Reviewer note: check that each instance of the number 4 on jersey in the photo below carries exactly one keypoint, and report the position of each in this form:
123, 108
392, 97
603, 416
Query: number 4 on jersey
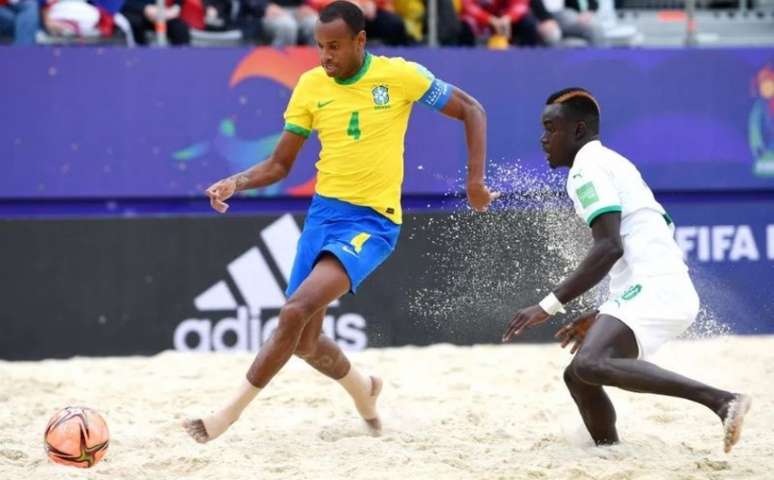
353, 130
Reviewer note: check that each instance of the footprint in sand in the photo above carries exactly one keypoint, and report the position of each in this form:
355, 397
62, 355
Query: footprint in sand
473, 418
662, 418
707, 465
13, 455
334, 434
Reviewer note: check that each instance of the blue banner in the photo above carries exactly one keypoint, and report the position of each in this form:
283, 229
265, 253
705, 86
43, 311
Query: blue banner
115, 123
729, 246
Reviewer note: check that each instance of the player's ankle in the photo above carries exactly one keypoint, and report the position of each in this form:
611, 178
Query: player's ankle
358, 385
723, 404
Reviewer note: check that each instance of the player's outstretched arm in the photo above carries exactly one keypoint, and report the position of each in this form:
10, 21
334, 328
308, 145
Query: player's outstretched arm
605, 251
270, 171
467, 109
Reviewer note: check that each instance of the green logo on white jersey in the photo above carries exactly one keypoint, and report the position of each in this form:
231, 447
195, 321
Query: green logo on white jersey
587, 194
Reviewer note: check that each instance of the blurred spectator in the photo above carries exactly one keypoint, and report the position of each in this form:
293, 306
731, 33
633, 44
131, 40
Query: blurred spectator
452, 29
413, 14
217, 15
222, 15
19, 19
382, 23
509, 19
249, 19
192, 13
80, 18
289, 22
550, 31
76, 18
142, 15
576, 19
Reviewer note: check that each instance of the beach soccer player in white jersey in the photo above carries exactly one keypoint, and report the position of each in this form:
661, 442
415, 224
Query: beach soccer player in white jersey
652, 299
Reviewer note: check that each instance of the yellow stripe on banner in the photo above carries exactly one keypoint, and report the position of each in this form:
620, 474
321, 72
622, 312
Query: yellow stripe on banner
359, 240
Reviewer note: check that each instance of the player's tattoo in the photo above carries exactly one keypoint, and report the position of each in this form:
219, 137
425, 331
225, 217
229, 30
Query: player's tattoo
241, 181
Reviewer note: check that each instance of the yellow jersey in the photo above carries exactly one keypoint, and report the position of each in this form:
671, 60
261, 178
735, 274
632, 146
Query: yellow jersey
361, 122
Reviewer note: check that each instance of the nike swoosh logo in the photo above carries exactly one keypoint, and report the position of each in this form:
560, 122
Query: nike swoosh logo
322, 104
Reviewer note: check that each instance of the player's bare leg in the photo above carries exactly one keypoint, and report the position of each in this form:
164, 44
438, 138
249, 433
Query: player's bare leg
327, 282
595, 408
329, 361
609, 357
326, 356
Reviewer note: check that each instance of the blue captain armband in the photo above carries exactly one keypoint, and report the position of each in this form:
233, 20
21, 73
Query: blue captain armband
438, 95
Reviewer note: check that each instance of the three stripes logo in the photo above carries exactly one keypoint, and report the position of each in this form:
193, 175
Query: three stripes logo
251, 297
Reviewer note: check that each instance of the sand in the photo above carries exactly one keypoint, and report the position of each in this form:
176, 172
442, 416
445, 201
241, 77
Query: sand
483, 412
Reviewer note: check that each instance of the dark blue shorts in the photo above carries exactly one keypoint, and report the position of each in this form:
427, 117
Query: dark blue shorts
358, 236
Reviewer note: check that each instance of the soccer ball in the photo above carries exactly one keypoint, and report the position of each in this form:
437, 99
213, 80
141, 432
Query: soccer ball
76, 436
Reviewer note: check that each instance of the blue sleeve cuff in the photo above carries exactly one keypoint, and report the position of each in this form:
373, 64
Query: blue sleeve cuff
438, 95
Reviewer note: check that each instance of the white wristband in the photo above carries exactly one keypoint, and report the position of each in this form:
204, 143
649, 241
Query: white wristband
551, 305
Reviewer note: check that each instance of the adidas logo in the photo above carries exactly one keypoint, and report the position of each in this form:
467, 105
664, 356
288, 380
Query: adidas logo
259, 293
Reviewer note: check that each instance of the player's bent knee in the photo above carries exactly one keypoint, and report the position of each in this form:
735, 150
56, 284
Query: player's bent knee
569, 376
294, 316
306, 350
590, 369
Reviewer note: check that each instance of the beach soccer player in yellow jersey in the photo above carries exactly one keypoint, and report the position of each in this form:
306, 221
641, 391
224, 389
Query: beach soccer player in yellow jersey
360, 105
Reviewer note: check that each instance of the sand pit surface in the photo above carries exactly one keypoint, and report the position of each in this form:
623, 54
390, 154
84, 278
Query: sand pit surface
482, 412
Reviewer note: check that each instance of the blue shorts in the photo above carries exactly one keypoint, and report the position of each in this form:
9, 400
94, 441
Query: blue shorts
359, 237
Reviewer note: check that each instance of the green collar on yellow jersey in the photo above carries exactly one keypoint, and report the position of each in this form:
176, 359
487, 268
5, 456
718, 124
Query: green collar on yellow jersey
354, 78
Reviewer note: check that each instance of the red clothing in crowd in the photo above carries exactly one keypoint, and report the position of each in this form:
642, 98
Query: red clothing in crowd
481, 11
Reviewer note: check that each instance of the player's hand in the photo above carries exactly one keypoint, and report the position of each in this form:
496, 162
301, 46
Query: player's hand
221, 191
369, 9
151, 13
500, 25
506, 26
479, 197
172, 12
494, 22
576, 330
585, 18
273, 11
524, 318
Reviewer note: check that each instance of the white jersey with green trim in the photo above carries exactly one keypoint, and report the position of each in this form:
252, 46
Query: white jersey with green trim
602, 181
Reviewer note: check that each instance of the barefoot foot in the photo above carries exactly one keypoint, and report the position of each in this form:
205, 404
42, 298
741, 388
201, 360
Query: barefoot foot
733, 420
367, 409
195, 428
208, 429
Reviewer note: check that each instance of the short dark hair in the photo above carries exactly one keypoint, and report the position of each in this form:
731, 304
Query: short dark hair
580, 104
350, 13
